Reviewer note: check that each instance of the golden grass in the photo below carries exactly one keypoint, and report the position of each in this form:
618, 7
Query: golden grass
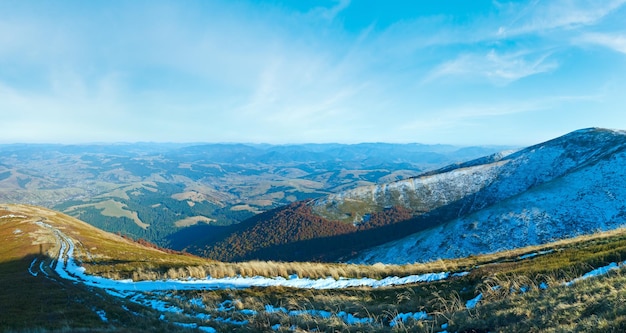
595, 304
104, 253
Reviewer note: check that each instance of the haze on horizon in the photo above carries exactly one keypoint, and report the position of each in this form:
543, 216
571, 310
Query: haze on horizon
278, 71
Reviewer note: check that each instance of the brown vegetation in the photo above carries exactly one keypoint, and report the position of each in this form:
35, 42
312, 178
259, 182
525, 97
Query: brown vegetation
295, 233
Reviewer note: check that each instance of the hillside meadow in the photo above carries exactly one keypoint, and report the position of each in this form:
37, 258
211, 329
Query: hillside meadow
521, 290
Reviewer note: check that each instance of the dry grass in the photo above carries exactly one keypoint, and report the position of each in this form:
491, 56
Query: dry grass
300, 269
561, 256
514, 299
38, 304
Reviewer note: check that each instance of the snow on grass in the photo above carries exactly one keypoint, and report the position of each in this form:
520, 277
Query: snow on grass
596, 272
186, 325
226, 306
103, 315
473, 302
532, 255
231, 321
12, 216
351, 319
196, 302
30, 268
156, 304
272, 309
314, 313
74, 272
41, 269
68, 269
403, 317
248, 312
140, 292
130, 311
348, 318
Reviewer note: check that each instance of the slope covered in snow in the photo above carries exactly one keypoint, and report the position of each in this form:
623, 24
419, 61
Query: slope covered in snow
479, 183
489, 195
568, 186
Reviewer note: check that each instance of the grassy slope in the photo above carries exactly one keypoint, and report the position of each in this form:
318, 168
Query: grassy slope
39, 303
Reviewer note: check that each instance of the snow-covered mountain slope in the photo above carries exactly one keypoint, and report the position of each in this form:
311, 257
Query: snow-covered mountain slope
571, 185
479, 183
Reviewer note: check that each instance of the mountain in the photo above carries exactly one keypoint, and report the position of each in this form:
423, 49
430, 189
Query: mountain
154, 191
567, 186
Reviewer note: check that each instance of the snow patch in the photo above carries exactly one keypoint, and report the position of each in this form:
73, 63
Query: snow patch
473, 302
597, 272
41, 269
30, 268
403, 317
103, 315
532, 255
559, 189
197, 302
12, 216
351, 319
186, 325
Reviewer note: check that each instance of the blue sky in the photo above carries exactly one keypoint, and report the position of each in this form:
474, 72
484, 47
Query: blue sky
456, 72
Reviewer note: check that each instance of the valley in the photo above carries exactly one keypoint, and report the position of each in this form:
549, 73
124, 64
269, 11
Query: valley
565, 187
335, 166
153, 191
525, 240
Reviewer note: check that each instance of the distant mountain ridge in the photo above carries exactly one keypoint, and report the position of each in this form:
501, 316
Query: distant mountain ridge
457, 210
154, 190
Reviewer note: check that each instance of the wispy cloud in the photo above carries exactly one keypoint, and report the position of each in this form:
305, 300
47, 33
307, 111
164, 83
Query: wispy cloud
615, 42
455, 115
542, 16
500, 69
261, 71
330, 13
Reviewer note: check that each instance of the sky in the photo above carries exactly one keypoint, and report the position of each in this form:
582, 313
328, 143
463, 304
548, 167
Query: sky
302, 71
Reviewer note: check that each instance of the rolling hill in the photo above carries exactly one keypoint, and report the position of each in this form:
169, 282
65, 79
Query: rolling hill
61, 274
153, 190
568, 186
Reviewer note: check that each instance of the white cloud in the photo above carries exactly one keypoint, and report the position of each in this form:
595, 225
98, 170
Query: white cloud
225, 71
615, 42
500, 69
330, 13
541, 16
